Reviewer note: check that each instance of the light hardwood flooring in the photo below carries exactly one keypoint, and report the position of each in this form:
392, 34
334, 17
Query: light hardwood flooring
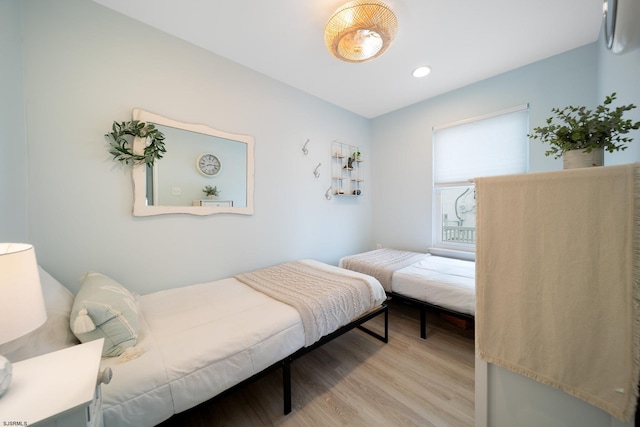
356, 380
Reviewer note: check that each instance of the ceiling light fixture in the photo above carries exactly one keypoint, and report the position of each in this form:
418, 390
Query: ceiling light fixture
421, 71
360, 30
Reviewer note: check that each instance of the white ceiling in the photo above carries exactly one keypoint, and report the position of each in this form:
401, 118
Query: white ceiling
464, 41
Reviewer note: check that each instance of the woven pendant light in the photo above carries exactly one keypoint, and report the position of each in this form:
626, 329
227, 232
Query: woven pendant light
360, 30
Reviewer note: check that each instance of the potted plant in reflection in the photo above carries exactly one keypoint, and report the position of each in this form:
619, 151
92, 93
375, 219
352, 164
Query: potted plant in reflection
210, 191
582, 135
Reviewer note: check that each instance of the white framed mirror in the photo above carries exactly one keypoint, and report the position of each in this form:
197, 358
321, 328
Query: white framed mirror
197, 156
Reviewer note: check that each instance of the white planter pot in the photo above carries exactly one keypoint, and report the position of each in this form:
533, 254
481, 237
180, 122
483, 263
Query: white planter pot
579, 159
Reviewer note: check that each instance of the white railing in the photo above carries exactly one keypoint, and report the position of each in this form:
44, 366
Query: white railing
458, 234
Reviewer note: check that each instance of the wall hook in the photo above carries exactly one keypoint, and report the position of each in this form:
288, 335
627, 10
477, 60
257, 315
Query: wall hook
304, 147
327, 195
316, 172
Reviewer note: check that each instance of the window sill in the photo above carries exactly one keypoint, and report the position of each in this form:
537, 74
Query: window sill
451, 253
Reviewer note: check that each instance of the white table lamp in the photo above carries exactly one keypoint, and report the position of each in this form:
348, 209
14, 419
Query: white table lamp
22, 308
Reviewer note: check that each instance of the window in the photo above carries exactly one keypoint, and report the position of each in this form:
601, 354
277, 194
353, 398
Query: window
491, 145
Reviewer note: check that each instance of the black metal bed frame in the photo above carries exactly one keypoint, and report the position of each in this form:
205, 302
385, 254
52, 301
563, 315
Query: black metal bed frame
285, 363
425, 306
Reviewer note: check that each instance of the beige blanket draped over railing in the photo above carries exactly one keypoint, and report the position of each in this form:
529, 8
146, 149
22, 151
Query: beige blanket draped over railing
325, 300
381, 263
558, 278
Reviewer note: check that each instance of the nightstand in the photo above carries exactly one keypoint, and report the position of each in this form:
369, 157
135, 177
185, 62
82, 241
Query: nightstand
56, 389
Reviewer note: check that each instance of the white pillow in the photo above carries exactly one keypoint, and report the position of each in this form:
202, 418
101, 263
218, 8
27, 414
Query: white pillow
55, 334
103, 308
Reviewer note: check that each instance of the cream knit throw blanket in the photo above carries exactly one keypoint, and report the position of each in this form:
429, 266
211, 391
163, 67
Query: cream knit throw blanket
558, 278
381, 263
325, 300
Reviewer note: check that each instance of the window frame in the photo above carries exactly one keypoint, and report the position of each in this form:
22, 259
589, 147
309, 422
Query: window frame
438, 243
437, 231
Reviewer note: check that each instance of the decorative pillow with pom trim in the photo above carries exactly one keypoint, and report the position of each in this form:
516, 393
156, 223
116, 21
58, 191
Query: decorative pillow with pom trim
103, 308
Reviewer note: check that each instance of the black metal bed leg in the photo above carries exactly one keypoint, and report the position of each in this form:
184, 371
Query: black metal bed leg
286, 385
286, 363
384, 338
386, 326
423, 322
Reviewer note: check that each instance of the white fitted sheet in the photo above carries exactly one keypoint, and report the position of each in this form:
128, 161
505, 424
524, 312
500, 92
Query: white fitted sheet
198, 341
446, 282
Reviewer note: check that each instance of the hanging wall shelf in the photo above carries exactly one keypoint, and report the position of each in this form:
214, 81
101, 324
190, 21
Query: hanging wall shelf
346, 169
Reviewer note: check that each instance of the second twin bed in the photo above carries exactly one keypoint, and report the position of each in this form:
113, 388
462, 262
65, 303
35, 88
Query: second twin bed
431, 282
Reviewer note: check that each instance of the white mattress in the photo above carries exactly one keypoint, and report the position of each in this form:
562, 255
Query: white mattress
206, 338
199, 341
446, 282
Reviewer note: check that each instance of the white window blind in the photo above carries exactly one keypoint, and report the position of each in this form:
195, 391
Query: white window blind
485, 146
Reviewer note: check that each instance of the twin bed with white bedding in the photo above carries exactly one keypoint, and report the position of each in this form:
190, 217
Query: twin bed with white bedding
430, 281
200, 340
172, 350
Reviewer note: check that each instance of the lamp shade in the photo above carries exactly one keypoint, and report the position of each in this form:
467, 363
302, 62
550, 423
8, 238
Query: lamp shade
360, 30
22, 306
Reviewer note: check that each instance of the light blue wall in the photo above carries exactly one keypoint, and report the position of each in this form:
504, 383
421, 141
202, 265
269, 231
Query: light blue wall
621, 74
86, 66
13, 153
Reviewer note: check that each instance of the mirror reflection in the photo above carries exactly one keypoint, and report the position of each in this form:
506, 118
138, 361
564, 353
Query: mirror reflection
197, 157
178, 181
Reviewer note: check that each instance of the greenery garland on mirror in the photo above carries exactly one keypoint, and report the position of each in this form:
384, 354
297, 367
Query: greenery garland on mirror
122, 148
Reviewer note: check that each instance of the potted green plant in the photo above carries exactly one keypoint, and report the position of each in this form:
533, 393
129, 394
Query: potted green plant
210, 191
581, 135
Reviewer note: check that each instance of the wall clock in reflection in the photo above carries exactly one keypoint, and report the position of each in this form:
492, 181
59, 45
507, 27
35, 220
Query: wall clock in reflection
208, 164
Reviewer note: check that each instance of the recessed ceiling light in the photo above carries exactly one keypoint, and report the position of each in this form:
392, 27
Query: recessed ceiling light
421, 71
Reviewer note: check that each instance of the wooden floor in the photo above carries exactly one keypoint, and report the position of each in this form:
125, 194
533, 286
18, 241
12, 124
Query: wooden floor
356, 380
